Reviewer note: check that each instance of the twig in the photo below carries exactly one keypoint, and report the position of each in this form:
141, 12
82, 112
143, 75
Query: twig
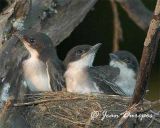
126, 114
137, 108
6, 107
118, 33
153, 119
155, 113
66, 119
148, 106
150, 123
148, 56
156, 120
44, 101
137, 12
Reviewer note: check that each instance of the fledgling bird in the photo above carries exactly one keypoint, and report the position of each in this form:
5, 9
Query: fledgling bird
82, 77
129, 67
43, 70
119, 77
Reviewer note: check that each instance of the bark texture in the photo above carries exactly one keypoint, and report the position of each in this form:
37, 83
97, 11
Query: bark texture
148, 55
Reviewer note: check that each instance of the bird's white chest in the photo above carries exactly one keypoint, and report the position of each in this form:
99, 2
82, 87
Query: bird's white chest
36, 75
78, 81
126, 81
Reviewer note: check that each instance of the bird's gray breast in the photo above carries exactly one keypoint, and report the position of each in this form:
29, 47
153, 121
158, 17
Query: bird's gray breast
36, 75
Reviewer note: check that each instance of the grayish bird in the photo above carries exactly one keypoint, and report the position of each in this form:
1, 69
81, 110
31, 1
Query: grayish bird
43, 71
82, 77
129, 67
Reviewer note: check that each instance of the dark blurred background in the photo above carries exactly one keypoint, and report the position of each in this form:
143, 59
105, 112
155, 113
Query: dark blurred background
97, 27
3, 4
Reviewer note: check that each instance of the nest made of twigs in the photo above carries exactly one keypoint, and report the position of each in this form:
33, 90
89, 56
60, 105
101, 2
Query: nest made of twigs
62, 109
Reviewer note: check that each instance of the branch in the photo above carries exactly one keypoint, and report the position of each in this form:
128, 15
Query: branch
56, 20
137, 12
148, 55
13, 18
4, 110
43, 101
118, 33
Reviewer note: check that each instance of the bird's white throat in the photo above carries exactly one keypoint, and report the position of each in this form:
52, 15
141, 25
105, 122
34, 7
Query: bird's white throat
36, 74
126, 79
76, 76
33, 52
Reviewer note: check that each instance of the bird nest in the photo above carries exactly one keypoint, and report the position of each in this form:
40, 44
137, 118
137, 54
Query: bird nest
62, 109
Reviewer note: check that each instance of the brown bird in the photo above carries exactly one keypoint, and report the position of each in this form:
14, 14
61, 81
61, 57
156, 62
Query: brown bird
43, 70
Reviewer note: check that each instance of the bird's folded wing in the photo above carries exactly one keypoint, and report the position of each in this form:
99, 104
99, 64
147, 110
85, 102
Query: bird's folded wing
105, 77
55, 73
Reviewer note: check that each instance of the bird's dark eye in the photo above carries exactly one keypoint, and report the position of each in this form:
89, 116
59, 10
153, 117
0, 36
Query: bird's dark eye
79, 52
31, 40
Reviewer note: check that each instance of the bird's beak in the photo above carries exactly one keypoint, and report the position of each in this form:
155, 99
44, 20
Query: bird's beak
113, 57
93, 49
19, 35
22, 37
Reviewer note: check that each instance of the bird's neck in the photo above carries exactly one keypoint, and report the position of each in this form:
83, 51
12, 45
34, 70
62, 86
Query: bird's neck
125, 72
76, 68
33, 53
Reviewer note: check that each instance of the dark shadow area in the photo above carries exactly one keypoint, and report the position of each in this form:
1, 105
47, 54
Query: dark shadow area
3, 4
96, 28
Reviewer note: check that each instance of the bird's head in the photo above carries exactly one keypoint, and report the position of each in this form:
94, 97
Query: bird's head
82, 55
35, 43
124, 59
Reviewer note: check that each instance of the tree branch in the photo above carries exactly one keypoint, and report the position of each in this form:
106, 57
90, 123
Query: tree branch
118, 33
148, 55
137, 12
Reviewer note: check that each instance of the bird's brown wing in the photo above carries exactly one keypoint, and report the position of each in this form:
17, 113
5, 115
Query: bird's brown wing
55, 72
105, 77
